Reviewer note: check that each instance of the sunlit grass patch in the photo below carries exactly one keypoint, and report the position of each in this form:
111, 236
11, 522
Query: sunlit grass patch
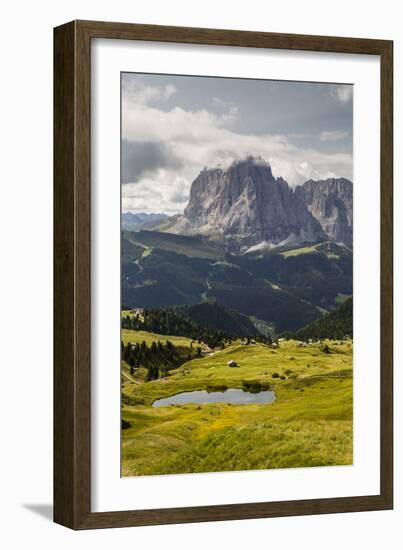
309, 424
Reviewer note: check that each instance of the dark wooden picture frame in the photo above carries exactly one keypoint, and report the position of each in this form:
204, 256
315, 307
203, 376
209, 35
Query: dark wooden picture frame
72, 270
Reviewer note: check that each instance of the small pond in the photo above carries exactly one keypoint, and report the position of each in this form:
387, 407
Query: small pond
237, 397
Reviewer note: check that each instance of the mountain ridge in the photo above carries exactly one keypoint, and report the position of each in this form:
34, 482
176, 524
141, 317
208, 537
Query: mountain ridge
141, 220
246, 206
330, 201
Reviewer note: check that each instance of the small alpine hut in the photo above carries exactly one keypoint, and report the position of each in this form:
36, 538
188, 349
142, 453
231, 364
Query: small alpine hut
232, 363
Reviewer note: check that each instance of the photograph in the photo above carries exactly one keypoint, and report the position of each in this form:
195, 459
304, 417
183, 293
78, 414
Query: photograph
236, 274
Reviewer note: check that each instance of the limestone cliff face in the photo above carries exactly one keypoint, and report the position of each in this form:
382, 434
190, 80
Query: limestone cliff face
331, 203
246, 207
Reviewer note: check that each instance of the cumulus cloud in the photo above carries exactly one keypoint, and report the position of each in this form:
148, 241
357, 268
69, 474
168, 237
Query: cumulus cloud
335, 135
229, 110
134, 91
164, 192
343, 93
166, 149
144, 158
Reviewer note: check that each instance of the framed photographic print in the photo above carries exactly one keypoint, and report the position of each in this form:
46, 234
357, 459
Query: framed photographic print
222, 199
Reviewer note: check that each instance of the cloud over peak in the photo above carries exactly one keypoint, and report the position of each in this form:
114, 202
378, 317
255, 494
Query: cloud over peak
166, 141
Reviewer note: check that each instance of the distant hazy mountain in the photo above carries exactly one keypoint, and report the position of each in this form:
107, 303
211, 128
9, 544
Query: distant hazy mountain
331, 203
246, 207
140, 220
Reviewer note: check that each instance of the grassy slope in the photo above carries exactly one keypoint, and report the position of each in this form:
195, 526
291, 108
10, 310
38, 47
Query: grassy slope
188, 246
310, 423
330, 248
134, 336
298, 251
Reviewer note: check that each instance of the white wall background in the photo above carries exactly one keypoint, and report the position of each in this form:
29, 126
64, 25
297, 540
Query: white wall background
26, 271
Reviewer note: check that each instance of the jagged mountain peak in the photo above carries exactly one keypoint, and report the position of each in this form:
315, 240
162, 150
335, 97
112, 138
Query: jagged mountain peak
330, 182
330, 201
246, 206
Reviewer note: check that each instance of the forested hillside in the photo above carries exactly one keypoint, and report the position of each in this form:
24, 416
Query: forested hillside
207, 322
170, 322
335, 325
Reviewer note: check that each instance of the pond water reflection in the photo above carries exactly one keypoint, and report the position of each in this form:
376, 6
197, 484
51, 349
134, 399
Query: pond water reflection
234, 396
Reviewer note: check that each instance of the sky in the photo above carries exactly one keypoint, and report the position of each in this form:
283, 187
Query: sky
174, 126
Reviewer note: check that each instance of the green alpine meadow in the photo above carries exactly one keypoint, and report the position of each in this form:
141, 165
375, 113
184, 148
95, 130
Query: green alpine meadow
309, 424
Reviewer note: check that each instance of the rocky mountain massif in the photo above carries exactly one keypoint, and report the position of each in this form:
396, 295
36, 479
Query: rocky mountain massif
246, 209
249, 243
